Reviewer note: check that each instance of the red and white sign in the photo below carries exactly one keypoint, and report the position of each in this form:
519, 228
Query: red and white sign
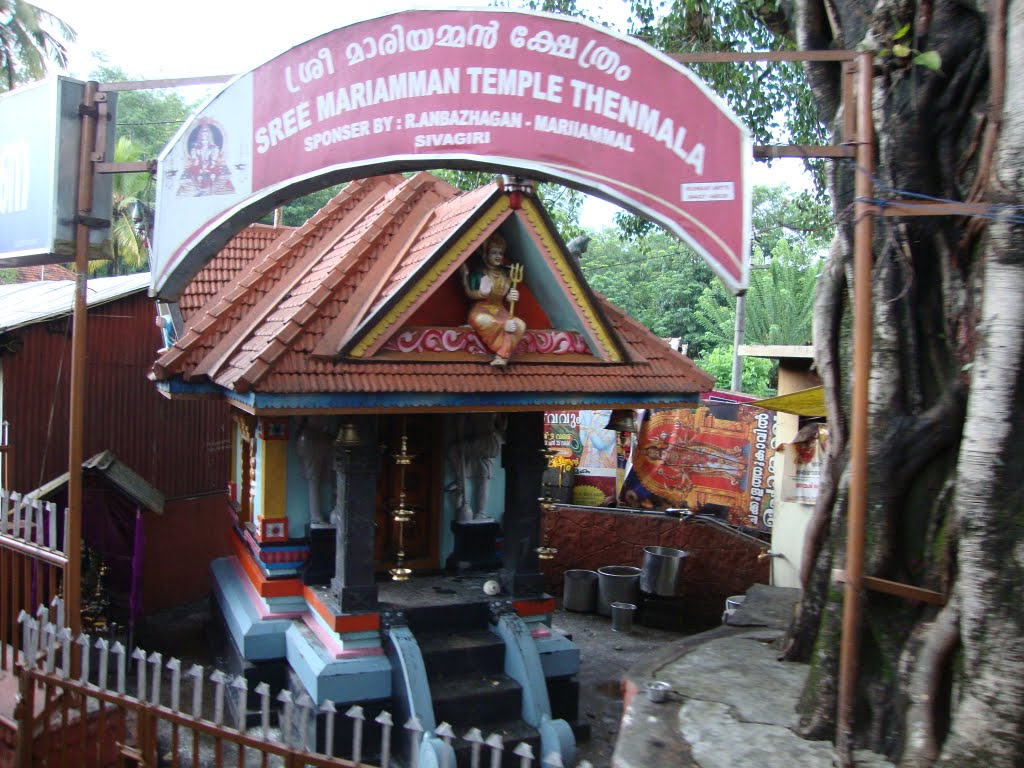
546, 96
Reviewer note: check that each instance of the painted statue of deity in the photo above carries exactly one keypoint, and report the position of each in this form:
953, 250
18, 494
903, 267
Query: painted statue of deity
489, 287
477, 444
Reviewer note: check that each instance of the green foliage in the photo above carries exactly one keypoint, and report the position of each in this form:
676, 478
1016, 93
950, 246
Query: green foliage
298, 211
562, 203
149, 119
779, 305
773, 99
8, 276
29, 36
666, 286
656, 280
133, 192
899, 51
790, 236
758, 374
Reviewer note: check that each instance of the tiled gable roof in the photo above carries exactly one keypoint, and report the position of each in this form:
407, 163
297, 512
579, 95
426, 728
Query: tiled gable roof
232, 259
287, 322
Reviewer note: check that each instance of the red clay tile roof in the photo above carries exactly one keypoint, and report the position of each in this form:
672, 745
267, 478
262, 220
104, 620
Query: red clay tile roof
274, 322
43, 272
235, 256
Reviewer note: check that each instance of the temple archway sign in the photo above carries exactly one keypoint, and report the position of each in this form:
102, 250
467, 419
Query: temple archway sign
539, 95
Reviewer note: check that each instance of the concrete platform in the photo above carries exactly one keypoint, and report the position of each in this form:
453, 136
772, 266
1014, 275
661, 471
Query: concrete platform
732, 702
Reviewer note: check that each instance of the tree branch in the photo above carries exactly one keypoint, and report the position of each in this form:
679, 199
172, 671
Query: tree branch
925, 688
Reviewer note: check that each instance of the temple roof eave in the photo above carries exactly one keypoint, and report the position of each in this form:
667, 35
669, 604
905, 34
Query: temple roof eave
283, 404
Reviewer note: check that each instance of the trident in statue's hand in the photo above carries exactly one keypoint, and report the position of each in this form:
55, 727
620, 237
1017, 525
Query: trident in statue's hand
515, 274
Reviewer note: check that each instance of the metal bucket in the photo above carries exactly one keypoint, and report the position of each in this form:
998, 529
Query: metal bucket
661, 571
622, 617
617, 584
580, 591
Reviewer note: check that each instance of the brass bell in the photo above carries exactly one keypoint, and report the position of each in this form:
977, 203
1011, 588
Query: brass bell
623, 420
348, 437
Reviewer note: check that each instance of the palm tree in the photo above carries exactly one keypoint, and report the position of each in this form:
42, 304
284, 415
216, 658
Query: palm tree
26, 42
130, 222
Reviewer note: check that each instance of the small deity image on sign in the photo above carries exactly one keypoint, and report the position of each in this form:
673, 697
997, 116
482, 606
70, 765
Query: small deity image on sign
206, 169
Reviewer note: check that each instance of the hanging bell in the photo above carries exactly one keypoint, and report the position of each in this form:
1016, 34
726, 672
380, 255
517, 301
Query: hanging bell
623, 420
348, 437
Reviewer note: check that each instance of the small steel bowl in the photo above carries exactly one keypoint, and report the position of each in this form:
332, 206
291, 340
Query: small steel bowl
657, 690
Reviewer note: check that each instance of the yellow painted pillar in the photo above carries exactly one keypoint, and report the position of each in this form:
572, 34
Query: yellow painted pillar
270, 512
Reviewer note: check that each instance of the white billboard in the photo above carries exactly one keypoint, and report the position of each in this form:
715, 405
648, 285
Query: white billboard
40, 128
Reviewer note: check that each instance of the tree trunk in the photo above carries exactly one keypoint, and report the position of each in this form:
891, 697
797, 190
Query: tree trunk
945, 507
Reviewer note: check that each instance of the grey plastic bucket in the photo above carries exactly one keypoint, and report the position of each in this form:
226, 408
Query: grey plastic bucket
661, 571
617, 584
580, 591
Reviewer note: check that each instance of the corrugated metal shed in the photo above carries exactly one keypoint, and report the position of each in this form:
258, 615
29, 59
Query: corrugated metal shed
26, 303
182, 448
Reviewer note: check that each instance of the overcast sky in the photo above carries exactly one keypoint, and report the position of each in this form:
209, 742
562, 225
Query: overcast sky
219, 37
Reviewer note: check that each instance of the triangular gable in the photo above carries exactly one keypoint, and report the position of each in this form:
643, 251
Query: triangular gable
552, 289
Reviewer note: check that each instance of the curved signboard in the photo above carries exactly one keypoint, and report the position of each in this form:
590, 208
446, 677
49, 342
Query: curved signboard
544, 96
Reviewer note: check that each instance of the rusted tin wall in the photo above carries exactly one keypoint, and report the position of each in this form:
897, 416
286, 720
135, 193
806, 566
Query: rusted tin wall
181, 448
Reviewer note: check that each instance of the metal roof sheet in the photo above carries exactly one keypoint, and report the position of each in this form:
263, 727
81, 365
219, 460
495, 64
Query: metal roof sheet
28, 303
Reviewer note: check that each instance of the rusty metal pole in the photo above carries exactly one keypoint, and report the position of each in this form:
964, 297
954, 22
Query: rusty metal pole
863, 237
76, 410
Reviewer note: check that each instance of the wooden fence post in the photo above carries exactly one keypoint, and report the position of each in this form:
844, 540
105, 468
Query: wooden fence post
24, 716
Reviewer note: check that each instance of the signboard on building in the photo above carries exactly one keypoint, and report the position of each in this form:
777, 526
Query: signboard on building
545, 96
40, 130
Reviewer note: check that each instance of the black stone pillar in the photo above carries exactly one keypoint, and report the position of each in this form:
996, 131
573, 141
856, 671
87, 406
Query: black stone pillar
353, 583
524, 462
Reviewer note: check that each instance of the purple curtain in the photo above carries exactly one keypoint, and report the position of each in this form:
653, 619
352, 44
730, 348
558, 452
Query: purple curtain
138, 550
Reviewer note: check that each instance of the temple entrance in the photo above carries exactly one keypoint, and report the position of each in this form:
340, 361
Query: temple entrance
421, 481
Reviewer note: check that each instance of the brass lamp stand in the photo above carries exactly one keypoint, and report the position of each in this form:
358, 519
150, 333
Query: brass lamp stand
402, 514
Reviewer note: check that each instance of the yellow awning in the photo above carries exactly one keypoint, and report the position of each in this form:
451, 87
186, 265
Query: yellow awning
806, 402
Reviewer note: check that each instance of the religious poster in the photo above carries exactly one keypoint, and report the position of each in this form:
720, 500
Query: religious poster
714, 458
595, 483
584, 463
801, 476
562, 441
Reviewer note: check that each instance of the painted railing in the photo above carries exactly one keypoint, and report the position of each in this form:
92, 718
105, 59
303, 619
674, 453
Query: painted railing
95, 703
33, 557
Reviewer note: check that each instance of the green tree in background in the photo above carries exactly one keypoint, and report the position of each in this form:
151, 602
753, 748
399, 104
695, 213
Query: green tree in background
149, 118
132, 207
654, 278
780, 302
29, 38
758, 373
146, 121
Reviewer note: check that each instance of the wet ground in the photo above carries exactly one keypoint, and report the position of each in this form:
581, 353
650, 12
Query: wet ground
606, 655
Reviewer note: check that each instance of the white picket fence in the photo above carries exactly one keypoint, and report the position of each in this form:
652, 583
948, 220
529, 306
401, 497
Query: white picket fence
32, 522
141, 706
33, 559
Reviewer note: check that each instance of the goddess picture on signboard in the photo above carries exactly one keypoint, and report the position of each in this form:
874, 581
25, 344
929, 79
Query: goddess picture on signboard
206, 170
